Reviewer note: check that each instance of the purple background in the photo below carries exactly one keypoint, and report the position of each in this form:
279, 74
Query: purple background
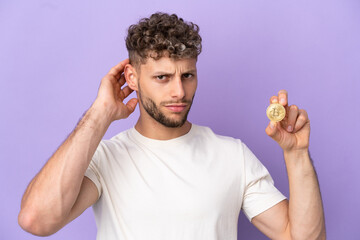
53, 55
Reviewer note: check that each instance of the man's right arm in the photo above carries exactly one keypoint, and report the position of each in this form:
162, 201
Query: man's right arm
60, 192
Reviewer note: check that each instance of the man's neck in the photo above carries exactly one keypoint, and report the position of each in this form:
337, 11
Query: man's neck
155, 130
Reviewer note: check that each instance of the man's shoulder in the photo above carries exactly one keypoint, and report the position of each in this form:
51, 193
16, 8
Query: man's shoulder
206, 131
121, 135
117, 140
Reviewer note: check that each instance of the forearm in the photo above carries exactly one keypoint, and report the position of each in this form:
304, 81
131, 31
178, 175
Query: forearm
52, 193
306, 216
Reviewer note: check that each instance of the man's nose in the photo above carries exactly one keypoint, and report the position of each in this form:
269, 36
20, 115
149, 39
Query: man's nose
177, 88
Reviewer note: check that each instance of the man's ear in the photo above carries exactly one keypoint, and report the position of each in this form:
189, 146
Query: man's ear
131, 77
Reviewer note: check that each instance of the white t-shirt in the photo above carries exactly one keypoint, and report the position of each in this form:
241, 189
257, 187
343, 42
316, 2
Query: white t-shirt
191, 187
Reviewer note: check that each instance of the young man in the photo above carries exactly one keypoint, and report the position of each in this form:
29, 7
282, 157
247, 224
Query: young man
167, 178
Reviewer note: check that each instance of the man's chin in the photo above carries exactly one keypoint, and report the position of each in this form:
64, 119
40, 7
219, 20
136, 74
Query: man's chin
173, 125
173, 121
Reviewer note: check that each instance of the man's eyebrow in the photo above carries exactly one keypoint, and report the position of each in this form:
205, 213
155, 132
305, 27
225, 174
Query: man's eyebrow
171, 73
162, 73
190, 71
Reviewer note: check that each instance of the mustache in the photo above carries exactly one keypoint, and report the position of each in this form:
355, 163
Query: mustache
176, 102
181, 101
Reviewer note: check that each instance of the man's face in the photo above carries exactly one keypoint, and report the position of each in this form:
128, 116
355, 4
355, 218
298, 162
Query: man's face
166, 88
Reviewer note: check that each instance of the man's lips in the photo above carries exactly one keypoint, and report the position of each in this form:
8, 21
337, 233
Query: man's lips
176, 107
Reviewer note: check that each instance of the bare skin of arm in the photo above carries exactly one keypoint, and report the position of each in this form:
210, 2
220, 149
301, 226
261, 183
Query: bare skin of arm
60, 192
302, 217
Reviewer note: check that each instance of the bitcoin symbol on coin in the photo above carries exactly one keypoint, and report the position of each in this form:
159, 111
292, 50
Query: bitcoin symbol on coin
276, 112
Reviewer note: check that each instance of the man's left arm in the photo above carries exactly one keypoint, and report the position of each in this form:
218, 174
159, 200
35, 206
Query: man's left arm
302, 217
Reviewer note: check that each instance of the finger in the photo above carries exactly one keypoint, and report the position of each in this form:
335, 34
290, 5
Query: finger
127, 90
273, 132
121, 94
274, 99
292, 116
131, 105
117, 70
283, 97
122, 80
301, 120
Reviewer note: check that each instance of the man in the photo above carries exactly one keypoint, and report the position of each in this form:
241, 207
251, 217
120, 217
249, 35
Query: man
167, 178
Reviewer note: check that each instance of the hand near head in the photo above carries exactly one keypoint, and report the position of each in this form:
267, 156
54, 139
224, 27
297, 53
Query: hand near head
111, 95
293, 132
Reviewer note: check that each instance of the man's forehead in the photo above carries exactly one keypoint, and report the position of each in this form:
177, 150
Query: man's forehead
169, 64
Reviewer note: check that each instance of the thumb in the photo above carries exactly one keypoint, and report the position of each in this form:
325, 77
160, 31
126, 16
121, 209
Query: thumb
131, 105
273, 131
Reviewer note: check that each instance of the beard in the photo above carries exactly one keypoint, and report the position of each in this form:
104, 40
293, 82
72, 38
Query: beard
154, 111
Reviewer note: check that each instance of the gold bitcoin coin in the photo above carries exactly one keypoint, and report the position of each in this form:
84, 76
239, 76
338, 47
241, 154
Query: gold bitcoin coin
275, 112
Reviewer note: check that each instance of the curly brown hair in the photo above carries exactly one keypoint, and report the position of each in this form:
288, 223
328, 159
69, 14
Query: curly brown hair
162, 34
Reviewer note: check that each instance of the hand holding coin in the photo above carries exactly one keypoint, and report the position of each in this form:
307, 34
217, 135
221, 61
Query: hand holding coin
289, 125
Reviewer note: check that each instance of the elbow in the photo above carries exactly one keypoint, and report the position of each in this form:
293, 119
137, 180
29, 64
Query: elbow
314, 232
312, 237
320, 235
29, 222
315, 235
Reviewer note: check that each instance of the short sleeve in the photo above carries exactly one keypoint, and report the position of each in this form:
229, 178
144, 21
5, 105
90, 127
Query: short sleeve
93, 171
260, 193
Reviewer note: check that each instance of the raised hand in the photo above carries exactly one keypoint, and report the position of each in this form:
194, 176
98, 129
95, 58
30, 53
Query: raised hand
111, 95
293, 132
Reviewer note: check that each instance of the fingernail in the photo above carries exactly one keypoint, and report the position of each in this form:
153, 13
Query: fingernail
282, 100
289, 128
274, 100
272, 125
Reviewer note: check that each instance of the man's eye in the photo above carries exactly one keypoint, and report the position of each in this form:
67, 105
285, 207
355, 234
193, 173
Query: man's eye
161, 77
187, 75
